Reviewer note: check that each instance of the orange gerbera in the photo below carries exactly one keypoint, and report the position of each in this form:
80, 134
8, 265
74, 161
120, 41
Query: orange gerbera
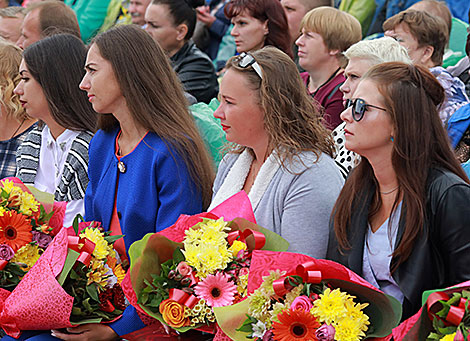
15, 230
295, 325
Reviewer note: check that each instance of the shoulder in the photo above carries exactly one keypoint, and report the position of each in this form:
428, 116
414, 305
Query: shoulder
442, 183
304, 76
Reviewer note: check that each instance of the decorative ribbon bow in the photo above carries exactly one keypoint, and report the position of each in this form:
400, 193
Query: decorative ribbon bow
455, 314
83, 246
183, 298
305, 271
259, 238
7, 323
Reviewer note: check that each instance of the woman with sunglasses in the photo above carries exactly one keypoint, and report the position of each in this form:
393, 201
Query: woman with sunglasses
281, 154
401, 220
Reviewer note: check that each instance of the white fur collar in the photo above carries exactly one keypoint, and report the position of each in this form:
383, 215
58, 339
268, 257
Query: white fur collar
235, 179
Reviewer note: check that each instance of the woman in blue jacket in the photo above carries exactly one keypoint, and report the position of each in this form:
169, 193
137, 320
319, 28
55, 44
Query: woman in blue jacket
148, 163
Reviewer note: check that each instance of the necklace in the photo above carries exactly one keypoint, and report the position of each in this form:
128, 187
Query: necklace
17, 129
391, 191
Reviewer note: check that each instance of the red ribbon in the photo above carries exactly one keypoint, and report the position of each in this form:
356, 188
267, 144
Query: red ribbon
3, 263
83, 246
305, 270
259, 238
455, 314
183, 298
7, 323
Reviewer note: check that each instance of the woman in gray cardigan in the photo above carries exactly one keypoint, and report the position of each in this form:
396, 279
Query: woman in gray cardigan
281, 154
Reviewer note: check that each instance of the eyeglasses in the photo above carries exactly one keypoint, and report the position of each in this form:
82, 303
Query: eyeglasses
359, 108
246, 60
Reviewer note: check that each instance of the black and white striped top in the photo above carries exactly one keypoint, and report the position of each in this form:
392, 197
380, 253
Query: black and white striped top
74, 178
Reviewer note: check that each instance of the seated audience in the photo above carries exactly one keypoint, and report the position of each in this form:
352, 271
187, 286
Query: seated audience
11, 19
14, 122
281, 154
258, 23
295, 10
326, 34
425, 38
137, 10
171, 24
361, 57
401, 220
54, 156
46, 18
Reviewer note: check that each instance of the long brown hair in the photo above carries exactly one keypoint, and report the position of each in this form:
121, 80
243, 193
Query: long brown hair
291, 119
412, 96
155, 98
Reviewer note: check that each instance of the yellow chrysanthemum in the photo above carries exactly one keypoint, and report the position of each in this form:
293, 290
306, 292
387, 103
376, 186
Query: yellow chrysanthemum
218, 225
242, 285
207, 259
97, 274
259, 305
355, 311
193, 236
348, 329
293, 294
28, 254
449, 337
277, 308
8, 186
267, 284
28, 204
101, 250
212, 235
119, 272
2, 210
236, 247
330, 306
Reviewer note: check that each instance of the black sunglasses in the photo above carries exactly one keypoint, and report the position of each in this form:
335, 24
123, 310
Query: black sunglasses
359, 108
246, 60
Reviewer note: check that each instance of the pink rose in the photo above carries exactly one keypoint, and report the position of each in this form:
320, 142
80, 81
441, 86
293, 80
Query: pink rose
302, 303
325, 333
57, 220
184, 269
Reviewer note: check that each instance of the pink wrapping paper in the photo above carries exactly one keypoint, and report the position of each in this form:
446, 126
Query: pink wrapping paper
44, 303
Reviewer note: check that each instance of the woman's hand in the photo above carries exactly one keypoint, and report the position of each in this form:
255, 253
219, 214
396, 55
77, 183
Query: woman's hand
204, 15
85, 332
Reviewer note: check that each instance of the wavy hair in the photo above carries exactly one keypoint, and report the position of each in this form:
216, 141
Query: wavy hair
155, 98
10, 60
265, 10
412, 96
291, 119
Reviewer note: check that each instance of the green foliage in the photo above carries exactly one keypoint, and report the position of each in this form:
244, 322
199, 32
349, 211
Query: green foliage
11, 275
246, 327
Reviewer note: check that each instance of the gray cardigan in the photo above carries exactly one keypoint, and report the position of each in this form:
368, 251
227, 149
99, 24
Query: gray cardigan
296, 205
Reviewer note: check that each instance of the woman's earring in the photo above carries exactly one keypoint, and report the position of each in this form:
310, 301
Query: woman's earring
391, 139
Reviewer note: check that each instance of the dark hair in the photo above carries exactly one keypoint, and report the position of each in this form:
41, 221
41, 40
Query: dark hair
182, 12
291, 119
154, 96
56, 63
412, 96
265, 10
425, 28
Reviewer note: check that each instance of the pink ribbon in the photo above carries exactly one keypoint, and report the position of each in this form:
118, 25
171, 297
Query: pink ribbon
305, 271
259, 238
81, 245
7, 323
183, 298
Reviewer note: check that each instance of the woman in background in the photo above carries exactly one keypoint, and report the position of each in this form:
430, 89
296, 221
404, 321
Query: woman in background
171, 24
14, 122
54, 156
401, 220
259, 23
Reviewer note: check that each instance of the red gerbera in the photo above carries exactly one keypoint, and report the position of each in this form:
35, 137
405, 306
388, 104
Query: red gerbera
15, 230
295, 325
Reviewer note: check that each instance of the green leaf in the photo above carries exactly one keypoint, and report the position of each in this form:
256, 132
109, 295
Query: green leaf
72, 257
93, 292
87, 305
76, 222
112, 239
178, 256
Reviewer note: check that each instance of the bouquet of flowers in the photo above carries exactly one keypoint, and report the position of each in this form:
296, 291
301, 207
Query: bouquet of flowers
445, 315
75, 281
179, 284
24, 229
301, 298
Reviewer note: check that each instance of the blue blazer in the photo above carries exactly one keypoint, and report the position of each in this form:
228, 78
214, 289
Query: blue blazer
152, 193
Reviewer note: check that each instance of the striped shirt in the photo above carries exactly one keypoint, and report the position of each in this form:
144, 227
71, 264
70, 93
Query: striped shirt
8, 150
